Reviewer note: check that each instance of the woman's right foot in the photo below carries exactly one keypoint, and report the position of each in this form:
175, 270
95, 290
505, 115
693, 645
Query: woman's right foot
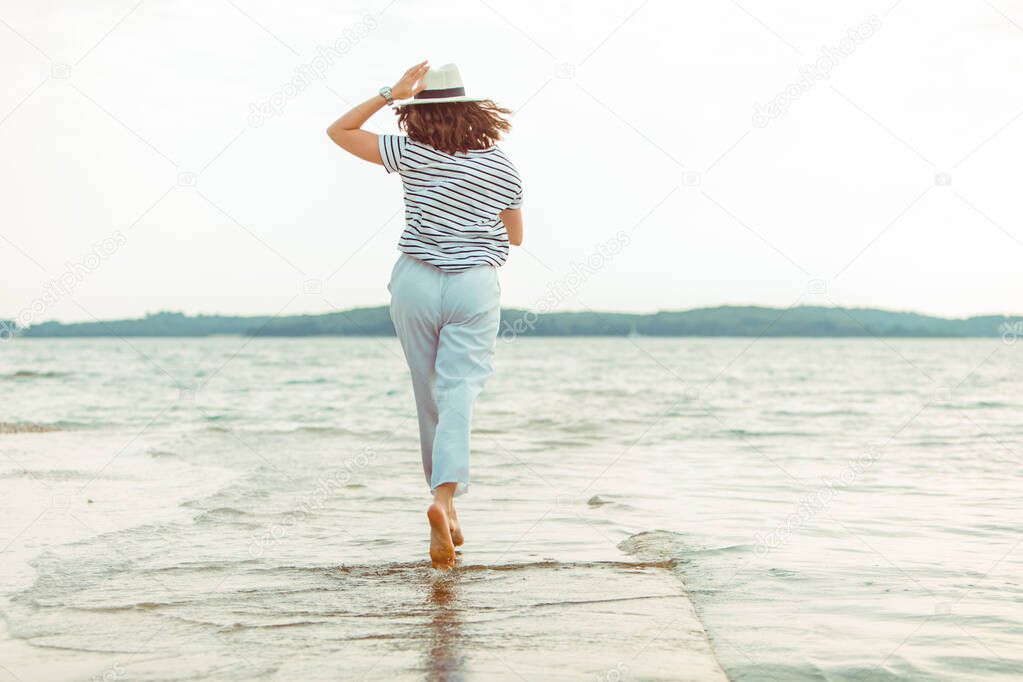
442, 547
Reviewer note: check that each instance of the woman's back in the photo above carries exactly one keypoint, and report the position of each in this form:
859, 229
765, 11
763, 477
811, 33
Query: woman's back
452, 202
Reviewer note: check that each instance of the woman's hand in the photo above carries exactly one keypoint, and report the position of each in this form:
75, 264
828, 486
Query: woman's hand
411, 84
347, 131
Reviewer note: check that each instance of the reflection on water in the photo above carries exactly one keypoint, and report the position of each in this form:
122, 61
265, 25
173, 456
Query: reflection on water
443, 658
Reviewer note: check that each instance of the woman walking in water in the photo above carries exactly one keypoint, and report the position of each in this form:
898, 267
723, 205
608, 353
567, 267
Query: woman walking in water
463, 201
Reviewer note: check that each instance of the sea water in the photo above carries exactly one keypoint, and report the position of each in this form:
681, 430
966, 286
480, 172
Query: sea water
232, 508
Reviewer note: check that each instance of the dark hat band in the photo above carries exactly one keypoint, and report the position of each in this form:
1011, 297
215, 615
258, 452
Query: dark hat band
442, 92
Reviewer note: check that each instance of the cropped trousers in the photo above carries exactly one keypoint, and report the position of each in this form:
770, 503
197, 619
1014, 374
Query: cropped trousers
447, 324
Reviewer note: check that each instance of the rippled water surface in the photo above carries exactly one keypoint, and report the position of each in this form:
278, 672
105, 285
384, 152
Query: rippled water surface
232, 509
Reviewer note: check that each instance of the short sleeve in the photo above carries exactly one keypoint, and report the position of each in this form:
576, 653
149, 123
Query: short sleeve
517, 201
392, 147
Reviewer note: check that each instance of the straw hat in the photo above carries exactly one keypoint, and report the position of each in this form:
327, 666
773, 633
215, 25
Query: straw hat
443, 84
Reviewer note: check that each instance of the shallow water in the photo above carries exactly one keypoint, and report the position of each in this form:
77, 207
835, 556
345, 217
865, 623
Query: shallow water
231, 508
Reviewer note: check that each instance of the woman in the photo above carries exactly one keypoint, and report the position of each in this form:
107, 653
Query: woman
463, 201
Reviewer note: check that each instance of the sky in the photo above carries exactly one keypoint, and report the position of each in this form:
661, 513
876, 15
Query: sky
159, 156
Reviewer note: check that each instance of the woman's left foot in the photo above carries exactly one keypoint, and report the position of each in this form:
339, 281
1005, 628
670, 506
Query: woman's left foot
455, 527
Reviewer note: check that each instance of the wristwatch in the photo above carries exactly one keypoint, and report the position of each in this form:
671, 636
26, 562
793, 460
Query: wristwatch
385, 92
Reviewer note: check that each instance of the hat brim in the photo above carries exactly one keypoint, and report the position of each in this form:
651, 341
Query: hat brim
439, 100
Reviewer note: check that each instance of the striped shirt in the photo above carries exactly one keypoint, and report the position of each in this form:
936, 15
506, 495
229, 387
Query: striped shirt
452, 202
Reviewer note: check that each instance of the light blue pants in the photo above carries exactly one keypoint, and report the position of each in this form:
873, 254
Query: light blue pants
447, 324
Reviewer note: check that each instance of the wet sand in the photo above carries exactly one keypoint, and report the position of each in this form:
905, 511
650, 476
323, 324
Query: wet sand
26, 427
133, 582
605, 621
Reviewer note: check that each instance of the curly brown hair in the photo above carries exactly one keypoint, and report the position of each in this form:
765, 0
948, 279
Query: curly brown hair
455, 126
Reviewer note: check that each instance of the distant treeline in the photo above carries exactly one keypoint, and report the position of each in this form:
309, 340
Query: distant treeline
719, 321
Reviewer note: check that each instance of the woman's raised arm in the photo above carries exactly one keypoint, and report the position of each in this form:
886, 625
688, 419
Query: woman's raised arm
347, 131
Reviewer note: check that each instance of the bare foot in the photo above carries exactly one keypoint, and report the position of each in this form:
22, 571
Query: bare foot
442, 549
456, 529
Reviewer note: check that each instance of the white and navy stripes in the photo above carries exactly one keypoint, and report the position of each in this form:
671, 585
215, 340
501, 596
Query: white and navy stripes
452, 202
